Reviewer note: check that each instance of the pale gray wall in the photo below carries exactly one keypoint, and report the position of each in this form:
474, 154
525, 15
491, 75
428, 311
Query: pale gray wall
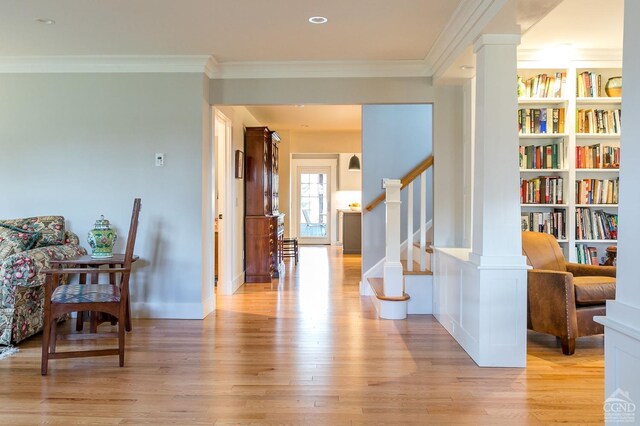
396, 138
330, 91
81, 145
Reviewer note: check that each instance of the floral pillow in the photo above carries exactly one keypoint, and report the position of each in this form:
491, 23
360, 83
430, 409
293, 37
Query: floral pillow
50, 228
14, 240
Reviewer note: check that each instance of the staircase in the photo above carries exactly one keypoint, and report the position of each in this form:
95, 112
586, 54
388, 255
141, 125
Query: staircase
406, 285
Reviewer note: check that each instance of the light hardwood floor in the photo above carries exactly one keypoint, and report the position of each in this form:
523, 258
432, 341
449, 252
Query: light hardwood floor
307, 350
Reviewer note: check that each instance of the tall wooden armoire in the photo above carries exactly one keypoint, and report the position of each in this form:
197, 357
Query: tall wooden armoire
264, 225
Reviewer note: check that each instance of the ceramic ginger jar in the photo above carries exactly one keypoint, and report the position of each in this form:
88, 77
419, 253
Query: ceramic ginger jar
101, 239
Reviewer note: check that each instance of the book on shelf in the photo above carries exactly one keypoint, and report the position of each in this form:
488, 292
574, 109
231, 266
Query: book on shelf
587, 255
552, 85
541, 190
595, 224
589, 84
611, 157
547, 222
598, 121
588, 157
597, 191
542, 156
540, 120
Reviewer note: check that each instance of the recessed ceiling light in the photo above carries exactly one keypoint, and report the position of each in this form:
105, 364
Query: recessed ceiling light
467, 67
318, 20
45, 21
300, 106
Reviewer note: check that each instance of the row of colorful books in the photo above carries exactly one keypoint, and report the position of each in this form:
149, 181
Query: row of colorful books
547, 222
541, 190
589, 84
597, 191
599, 121
550, 156
541, 120
587, 255
543, 85
596, 224
597, 157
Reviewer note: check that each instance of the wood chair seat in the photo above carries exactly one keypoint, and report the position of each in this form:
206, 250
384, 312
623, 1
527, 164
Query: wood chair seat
86, 293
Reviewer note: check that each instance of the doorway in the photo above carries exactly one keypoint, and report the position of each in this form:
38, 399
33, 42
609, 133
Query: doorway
314, 200
222, 203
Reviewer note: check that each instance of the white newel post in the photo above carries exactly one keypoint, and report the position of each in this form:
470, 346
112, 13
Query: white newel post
393, 285
622, 320
496, 254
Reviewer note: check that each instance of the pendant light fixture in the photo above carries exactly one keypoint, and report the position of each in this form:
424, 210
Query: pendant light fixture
354, 163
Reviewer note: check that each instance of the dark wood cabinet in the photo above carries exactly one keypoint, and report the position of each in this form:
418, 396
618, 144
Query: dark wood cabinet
264, 226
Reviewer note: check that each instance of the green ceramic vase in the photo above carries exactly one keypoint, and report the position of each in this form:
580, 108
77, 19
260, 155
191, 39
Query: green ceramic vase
101, 239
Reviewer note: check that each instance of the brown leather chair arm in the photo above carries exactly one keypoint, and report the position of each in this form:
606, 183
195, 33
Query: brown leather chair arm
552, 302
579, 270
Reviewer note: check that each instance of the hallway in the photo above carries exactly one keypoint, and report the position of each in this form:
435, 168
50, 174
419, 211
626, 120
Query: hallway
306, 350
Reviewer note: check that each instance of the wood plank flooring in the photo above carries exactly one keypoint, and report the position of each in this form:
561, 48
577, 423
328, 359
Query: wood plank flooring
306, 350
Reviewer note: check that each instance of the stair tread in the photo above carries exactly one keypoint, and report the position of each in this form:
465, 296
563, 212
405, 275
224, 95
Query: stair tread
416, 269
377, 284
429, 249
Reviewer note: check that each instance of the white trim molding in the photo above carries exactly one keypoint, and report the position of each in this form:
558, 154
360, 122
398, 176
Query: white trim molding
321, 69
108, 64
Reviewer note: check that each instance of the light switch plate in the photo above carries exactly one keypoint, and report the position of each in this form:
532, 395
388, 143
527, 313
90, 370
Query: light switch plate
159, 159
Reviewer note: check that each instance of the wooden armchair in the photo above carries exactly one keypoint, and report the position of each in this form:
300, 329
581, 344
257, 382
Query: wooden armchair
109, 298
564, 297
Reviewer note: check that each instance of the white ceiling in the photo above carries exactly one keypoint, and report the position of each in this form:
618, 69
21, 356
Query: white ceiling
230, 30
585, 24
309, 118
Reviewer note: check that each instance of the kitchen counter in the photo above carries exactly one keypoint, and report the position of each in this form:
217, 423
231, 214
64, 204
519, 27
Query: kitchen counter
351, 231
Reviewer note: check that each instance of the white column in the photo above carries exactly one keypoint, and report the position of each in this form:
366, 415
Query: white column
392, 273
622, 321
496, 255
496, 201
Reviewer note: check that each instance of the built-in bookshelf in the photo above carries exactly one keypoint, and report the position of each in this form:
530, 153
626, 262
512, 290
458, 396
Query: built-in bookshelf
569, 156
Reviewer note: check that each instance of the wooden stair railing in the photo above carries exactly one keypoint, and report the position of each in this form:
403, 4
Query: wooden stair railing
408, 178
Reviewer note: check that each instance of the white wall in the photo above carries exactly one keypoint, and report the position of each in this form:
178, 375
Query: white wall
81, 145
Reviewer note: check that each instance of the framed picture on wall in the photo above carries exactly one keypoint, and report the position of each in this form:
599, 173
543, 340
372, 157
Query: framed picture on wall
239, 164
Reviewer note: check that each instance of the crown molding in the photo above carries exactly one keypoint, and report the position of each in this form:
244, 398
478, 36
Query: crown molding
465, 25
107, 64
321, 69
211, 67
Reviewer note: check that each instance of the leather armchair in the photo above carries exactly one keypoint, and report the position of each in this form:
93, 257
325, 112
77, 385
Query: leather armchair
564, 297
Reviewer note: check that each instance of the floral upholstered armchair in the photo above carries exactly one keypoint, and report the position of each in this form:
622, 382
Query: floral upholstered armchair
26, 248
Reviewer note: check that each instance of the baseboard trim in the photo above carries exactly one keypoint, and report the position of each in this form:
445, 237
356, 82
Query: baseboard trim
237, 282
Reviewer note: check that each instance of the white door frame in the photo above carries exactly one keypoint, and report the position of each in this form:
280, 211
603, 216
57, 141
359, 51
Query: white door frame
296, 164
224, 164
